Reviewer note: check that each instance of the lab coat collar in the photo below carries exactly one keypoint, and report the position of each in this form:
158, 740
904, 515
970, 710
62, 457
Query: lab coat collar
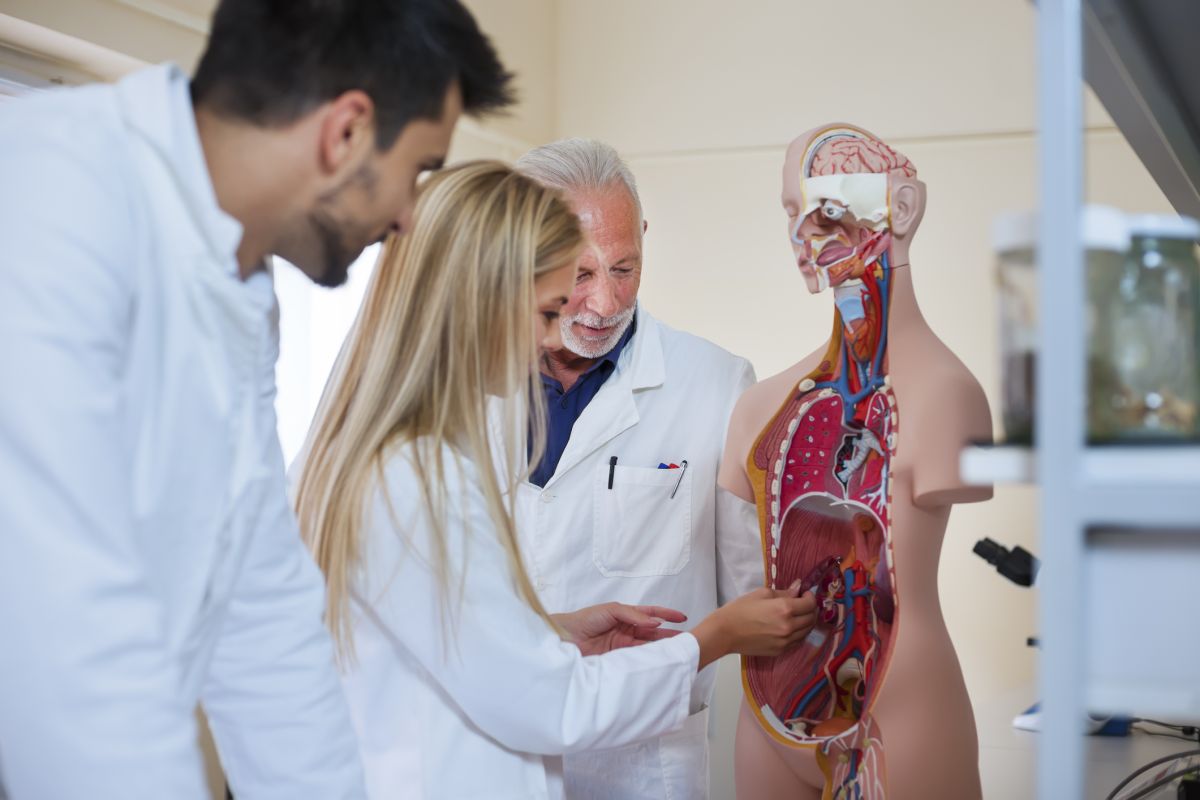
157, 107
613, 411
643, 356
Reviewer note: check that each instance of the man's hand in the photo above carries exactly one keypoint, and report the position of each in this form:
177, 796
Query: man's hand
608, 626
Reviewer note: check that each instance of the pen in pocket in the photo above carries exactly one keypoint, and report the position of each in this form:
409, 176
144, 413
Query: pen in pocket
682, 469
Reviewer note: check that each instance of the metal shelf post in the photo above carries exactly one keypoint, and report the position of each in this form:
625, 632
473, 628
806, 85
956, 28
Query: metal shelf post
1060, 413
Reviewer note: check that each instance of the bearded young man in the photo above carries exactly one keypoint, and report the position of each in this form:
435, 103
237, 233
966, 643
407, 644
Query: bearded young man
149, 560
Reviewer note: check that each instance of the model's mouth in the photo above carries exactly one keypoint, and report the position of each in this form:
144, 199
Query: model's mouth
833, 253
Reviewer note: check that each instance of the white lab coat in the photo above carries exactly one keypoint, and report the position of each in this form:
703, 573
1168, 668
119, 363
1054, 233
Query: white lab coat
148, 556
670, 399
472, 700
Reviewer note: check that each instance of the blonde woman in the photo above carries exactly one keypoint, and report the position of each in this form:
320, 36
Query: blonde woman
461, 686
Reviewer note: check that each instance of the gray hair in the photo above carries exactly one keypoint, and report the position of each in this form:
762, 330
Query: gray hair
571, 165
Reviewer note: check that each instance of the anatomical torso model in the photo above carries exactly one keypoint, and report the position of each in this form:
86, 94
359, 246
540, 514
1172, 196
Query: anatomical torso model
851, 456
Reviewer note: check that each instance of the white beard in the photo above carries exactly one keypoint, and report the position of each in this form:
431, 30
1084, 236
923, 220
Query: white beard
595, 348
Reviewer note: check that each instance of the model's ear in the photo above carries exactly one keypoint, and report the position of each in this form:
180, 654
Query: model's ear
908, 206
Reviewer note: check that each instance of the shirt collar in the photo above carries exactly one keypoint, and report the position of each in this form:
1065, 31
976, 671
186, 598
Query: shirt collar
612, 356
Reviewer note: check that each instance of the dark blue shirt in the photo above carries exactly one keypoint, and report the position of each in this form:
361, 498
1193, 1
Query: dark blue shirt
564, 408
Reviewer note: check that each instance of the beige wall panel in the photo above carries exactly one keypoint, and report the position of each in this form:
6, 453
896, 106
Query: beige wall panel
151, 31
117, 26
683, 75
524, 32
473, 142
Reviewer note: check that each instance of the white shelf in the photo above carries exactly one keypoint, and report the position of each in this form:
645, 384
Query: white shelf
1153, 467
1119, 487
982, 466
1111, 467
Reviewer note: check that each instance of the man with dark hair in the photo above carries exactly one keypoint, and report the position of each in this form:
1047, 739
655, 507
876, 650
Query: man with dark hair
148, 557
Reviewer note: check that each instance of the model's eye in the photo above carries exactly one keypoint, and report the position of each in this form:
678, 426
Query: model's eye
832, 211
550, 315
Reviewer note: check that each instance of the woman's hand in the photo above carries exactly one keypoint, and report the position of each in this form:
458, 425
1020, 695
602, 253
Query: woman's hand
608, 626
764, 622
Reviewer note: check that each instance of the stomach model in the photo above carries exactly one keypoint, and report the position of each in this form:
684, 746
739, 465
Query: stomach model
820, 471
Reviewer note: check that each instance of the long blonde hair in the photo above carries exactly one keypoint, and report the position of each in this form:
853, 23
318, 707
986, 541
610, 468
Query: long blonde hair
448, 318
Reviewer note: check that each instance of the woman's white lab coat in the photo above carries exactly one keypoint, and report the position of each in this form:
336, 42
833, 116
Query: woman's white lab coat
477, 702
148, 556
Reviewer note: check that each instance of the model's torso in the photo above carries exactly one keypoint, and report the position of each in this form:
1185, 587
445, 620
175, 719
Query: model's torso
913, 688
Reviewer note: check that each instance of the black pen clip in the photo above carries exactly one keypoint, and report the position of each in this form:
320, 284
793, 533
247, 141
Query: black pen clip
612, 468
683, 469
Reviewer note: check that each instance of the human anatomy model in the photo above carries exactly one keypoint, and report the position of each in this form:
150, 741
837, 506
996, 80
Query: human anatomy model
851, 456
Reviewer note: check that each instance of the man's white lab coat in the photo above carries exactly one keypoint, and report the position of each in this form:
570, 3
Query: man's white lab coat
148, 556
668, 401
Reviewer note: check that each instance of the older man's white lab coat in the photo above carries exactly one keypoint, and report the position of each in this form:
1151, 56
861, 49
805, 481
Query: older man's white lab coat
148, 556
669, 400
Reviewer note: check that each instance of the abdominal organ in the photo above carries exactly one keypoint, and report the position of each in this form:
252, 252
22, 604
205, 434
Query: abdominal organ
821, 471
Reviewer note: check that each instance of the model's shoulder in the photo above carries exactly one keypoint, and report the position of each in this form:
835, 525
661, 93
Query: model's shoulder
943, 372
764, 398
938, 386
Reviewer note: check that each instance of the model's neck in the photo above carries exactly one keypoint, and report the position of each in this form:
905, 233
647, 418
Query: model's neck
901, 311
871, 314
904, 312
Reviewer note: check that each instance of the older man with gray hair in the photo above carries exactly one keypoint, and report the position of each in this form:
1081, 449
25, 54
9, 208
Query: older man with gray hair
625, 505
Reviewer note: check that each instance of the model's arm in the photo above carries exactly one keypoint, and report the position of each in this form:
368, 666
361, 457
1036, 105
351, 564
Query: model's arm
965, 419
744, 427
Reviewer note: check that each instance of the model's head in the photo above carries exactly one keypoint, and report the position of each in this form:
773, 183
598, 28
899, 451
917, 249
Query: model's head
454, 314
367, 92
600, 188
849, 199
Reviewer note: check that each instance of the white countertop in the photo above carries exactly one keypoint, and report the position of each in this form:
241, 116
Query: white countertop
1007, 756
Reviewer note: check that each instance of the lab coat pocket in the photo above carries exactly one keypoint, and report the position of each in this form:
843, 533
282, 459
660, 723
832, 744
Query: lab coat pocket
639, 529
